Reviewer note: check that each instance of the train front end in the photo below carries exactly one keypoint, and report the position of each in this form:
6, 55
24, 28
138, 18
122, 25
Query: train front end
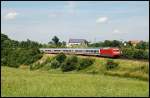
116, 52
110, 52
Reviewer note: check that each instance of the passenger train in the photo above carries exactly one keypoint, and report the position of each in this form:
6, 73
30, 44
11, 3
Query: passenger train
105, 52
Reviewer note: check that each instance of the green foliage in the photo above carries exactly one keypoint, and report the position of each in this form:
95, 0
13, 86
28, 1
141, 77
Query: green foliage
107, 43
110, 64
142, 45
128, 52
116, 43
25, 83
84, 63
55, 43
14, 53
135, 53
60, 57
55, 40
69, 64
66, 63
49, 59
35, 66
55, 64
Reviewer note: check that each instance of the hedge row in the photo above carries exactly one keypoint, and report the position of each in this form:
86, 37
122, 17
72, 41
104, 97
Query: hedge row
65, 63
17, 57
135, 53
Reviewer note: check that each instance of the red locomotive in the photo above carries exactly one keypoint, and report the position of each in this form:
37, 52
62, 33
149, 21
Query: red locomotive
110, 52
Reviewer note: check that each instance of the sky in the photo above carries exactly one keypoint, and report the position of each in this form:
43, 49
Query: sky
91, 20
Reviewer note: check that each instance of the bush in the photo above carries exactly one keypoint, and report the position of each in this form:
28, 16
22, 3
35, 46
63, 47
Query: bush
67, 67
146, 55
84, 63
138, 54
127, 52
110, 64
60, 57
135, 53
141, 54
70, 64
55, 64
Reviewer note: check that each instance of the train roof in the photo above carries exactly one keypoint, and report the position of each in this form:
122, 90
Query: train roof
69, 48
78, 48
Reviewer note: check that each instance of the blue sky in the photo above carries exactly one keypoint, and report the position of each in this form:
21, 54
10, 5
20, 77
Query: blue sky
91, 20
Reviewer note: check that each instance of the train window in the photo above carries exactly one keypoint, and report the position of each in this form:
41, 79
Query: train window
116, 50
56, 50
79, 50
66, 50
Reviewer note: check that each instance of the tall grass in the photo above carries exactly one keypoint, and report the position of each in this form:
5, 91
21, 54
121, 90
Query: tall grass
23, 82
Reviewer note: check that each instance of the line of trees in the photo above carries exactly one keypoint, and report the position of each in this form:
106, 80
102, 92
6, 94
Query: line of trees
115, 43
15, 53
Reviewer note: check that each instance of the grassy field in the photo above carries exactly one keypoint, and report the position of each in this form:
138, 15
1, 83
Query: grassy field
127, 68
23, 82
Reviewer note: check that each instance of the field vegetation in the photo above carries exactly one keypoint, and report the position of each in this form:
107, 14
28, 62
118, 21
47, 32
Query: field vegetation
38, 83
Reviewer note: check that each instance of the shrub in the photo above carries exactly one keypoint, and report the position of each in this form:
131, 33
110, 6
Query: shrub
67, 67
84, 63
127, 52
138, 54
146, 55
141, 54
55, 64
73, 59
70, 64
60, 57
135, 53
110, 64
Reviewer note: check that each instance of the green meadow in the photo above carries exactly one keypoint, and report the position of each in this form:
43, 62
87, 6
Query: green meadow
23, 82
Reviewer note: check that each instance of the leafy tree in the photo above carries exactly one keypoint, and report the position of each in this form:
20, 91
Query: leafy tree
60, 57
69, 64
116, 43
107, 43
55, 40
14, 53
142, 45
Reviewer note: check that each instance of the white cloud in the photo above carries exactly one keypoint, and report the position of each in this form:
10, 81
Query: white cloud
102, 19
11, 15
116, 31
